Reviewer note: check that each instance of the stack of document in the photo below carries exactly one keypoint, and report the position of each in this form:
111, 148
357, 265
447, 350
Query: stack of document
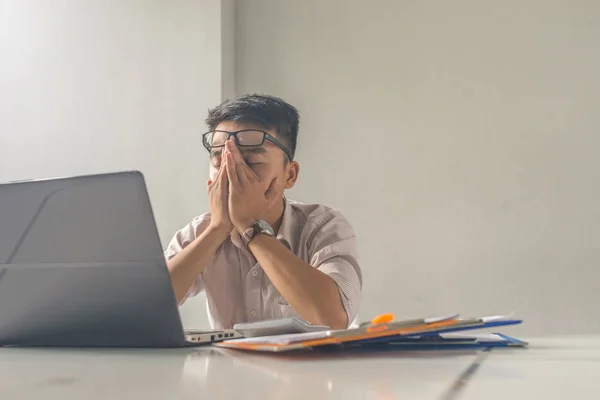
385, 333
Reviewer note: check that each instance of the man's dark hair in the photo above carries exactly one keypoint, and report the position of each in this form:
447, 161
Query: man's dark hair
270, 112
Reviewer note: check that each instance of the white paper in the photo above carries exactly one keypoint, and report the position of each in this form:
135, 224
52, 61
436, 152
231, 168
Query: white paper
496, 318
283, 339
440, 319
482, 337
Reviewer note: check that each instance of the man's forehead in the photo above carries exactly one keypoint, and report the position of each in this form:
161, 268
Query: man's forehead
231, 126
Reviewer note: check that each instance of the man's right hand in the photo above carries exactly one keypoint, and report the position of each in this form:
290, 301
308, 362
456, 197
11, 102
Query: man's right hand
218, 196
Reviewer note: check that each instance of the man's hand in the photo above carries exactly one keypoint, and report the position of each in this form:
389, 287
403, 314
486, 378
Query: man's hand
250, 197
192, 259
218, 195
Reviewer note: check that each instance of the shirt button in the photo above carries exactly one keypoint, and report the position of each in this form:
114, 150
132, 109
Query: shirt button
254, 273
253, 313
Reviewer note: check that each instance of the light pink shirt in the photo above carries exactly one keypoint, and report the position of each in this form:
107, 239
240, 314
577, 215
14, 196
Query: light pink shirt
238, 290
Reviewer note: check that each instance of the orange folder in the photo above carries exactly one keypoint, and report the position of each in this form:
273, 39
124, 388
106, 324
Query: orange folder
381, 326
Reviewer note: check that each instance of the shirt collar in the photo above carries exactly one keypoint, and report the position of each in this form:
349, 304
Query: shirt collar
288, 226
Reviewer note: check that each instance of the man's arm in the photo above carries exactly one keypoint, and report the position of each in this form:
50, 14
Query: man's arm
191, 259
311, 293
186, 265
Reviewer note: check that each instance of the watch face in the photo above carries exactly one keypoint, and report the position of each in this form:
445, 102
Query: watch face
264, 226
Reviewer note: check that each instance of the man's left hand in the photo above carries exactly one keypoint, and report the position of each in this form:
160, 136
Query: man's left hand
250, 197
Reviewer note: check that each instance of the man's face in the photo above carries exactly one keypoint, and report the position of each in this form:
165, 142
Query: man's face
267, 161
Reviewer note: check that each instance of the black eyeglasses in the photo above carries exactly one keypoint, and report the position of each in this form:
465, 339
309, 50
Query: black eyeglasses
245, 138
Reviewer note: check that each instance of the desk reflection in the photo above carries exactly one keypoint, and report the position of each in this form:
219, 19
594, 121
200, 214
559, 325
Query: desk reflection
27, 373
210, 372
316, 375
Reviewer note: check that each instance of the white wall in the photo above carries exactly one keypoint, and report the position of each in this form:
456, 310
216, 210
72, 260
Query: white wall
460, 137
96, 86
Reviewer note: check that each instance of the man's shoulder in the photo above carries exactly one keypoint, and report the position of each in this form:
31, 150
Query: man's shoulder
187, 234
201, 222
316, 214
201, 219
196, 226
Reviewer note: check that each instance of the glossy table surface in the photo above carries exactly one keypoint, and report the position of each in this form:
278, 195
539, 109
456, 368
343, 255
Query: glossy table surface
551, 368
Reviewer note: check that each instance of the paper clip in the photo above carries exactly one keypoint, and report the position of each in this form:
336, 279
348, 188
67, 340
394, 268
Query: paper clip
379, 322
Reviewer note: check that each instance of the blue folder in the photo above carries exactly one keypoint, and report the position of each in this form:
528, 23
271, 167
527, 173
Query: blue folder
436, 333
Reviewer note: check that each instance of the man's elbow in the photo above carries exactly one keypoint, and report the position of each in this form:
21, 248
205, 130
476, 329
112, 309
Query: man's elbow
337, 319
335, 314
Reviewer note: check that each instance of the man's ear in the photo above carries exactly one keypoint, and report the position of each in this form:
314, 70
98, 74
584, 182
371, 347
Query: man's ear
293, 170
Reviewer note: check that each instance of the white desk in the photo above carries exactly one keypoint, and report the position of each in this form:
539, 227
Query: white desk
553, 368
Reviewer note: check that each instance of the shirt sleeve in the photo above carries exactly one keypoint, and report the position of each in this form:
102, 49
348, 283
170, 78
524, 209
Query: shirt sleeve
181, 240
334, 252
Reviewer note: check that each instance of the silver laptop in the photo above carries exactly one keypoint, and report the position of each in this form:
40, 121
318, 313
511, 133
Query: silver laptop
81, 264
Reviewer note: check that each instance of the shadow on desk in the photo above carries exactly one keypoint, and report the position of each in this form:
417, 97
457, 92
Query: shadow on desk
336, 354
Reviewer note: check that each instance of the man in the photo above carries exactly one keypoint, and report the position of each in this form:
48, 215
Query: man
257, 254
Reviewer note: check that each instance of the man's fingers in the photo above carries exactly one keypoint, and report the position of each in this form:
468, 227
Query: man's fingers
232, 173
236, 162
222, 173
271, 193
244, 171
235, 152
224, 179
217, 176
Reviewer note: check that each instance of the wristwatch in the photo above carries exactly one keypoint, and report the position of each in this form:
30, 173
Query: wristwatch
260, 227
